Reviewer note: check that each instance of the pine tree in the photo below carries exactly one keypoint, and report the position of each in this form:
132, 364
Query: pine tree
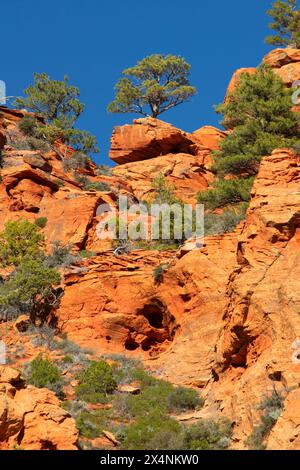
58, 103
286, 21
258, 114
156, 84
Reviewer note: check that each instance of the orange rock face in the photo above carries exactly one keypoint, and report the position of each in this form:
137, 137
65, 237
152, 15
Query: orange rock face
32, 418
110, 304
285, 63
151, 147
187, 173
209, 136
235, 79
254, 352
148, 138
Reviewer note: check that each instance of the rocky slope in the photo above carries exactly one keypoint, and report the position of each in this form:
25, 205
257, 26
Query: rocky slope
31, 418
222, 318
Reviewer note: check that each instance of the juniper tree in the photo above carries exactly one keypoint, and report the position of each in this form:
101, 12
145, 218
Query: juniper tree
154, 85
58, 103
286, 22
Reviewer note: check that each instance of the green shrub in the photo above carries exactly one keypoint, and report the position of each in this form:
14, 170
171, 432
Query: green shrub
182, 398
60, 256
226, 192
151, 432
19, 239
272, 408
91, 423
30, 289
67, 359
28, 125
296, 148
86, 254
98, 186
208, 435
158, 273
78, 160
58, 103
236, 165
104, 170
44, 374
97, 377
216, 224
41, 222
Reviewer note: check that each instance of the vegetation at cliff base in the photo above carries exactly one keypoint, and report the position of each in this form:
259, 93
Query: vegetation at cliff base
286, 24
42, 373
154, 85
145, 419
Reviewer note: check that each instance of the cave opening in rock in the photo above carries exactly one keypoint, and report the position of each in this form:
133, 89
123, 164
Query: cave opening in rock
154, 312
131, 344
159, 317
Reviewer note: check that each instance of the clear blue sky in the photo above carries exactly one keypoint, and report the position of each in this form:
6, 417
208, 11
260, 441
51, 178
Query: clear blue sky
92, 41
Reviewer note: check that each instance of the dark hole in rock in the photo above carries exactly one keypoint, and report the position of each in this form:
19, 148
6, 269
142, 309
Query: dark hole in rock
130, 344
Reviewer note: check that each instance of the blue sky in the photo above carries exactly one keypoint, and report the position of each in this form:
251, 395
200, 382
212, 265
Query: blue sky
92, 41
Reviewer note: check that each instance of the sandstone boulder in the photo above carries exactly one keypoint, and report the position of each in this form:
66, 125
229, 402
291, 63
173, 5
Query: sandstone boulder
148, 138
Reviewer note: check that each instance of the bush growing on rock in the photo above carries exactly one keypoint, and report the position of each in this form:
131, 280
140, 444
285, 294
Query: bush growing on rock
226, 192
30, 289
271, 407
28, 125
208, 435
58, 103
181, 399
41, 222
258, 113
60, 256
151, 432
96, 378
98, 186
217, 224
104, 170
18, 240
42, 373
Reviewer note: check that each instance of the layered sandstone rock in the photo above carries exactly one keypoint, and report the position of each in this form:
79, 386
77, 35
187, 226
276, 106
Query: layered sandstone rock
254, 352
284, 62
209, 136
150, 147
110, 304
32, 418
36, 184
148, 138
187, 173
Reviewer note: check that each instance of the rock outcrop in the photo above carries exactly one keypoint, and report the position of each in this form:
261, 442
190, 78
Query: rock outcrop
150, 147
31, 418
148, 138
284, 62
254, 352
